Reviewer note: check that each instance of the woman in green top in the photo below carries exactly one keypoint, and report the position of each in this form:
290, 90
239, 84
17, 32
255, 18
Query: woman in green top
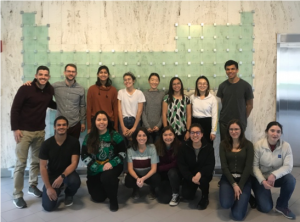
236, 155
103, 151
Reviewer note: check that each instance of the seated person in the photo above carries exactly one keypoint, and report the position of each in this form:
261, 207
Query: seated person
59, 157
272, 166
196, 162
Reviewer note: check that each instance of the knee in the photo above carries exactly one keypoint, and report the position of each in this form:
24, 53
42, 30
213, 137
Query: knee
238, 215
290, 180
172, 173
48, 208
265, 208
225, 204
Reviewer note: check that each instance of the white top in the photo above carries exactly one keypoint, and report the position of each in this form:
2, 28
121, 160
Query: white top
129, 103
279, 162
207, 107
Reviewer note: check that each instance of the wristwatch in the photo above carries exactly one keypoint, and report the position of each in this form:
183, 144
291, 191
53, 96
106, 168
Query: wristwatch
63, 176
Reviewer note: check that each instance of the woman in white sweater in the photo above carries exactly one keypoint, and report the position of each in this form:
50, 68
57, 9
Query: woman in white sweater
272, 166
205, 109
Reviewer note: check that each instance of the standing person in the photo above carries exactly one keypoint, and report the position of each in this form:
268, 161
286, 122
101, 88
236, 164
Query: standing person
28, 114
59, 156
152, 107
130, 106
103, 151
102, 96
176, 109
70, 99
236, 155
236, 96
167, 147
196, 162
272, 166
205, 109
142, 164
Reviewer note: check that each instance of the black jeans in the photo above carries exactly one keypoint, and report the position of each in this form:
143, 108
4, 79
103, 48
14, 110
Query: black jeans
152, 181
72, 181
189, 188
170, 183
105, 184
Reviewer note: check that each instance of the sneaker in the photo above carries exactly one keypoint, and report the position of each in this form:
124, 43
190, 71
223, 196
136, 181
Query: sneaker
151, 195
175, 200
68, 201
286, 212
203, 203
123, 178
136, 194
252, 202
20, 203
34, 191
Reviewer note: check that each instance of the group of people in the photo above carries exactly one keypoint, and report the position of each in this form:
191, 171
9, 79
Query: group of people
163, 140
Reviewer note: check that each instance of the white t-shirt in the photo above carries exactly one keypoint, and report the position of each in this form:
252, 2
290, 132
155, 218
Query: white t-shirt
129, 103
207, 107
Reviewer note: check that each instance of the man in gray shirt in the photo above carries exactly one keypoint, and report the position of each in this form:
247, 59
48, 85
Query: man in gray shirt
236, 96
70, 100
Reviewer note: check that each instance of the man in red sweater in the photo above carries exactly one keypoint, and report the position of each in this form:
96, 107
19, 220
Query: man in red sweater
28, 114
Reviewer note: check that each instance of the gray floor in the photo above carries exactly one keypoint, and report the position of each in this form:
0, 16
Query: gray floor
143, 210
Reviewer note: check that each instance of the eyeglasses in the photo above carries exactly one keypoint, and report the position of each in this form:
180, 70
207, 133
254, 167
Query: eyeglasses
195, 133
69, 71
234, 129
202, 84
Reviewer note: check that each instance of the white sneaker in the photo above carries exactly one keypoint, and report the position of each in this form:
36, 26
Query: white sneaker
175, 199
123, 178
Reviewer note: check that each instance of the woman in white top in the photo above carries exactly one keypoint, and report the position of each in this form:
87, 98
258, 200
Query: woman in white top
130, 106
272, 166
205, 109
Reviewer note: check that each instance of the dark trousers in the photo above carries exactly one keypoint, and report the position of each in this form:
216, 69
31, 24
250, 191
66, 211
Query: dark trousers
152, 181
75, 130
72, 183
170, 183
189, 188
206, 125
105, 184
223, 129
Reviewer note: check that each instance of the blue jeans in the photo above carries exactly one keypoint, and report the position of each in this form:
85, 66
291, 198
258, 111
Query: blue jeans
226, 196
72, 181
264, 198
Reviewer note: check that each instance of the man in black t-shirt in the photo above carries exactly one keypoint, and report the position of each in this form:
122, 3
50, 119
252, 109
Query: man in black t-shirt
59, 156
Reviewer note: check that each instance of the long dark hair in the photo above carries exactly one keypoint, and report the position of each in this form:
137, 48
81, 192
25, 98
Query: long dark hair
161, 146
171, 91
93, 140
197, 92
108, 81
135, 144
228, 139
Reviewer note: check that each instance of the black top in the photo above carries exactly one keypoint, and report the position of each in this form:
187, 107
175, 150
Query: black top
29, 107
189, 165
59, 157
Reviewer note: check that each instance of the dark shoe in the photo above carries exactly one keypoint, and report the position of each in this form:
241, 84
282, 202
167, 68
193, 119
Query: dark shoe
68, 201
175, 200
286, 212
203, 203
136, 194
34, 191
20, 203
113, 206
151, 195
252, 202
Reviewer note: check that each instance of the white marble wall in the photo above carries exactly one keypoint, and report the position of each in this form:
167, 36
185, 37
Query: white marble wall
141, 25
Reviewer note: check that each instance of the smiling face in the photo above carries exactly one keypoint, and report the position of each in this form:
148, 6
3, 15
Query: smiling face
231, 72
141, 138
153, 82
101, 123
42, 77
168, 137
128, 81
176, 85
61, 127
70, 73
103, 75
274, 134
196, 134
202, 85
234, 131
